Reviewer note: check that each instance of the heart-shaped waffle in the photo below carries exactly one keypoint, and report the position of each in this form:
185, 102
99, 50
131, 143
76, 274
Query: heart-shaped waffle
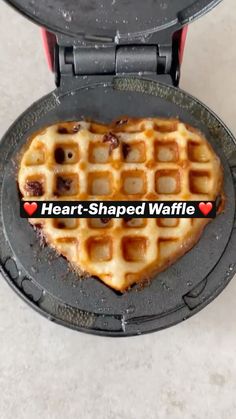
131, 159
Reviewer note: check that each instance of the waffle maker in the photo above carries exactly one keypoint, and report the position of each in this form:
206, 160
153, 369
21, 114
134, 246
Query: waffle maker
115, 58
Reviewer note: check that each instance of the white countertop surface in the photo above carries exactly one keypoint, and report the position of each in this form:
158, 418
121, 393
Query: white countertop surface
185, 372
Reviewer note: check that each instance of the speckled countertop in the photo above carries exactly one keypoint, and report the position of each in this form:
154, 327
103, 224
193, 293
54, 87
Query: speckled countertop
186, 372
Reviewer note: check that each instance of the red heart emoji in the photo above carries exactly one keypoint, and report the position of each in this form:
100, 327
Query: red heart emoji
205, 208
30, 208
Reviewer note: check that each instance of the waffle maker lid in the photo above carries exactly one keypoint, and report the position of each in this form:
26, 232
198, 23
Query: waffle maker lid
108, 18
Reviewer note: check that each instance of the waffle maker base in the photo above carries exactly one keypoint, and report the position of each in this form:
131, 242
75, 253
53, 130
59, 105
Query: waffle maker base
45, 281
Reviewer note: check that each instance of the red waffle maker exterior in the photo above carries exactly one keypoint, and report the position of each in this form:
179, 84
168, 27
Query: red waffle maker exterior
111, 58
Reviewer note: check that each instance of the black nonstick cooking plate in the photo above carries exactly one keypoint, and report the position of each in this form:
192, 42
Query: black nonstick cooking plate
44, 280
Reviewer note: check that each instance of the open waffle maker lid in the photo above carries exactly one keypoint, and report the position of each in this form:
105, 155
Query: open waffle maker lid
36, 273
109, 18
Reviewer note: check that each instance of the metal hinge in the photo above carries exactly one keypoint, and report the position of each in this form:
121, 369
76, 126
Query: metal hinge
117, 60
